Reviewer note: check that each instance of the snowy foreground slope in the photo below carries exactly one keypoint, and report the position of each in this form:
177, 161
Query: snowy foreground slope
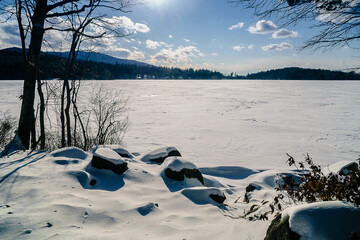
51, 196
39, 189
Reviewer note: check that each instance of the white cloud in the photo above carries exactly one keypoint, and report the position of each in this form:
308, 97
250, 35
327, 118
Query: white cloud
9, 36
214, 54
170, 36
278, 47
186, 40
238, 48
122, 23
251, 46
152, 44
284, 33
126, 53
238, 25
177, 56
262, 27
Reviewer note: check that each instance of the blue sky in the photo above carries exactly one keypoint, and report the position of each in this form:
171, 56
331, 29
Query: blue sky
211, 34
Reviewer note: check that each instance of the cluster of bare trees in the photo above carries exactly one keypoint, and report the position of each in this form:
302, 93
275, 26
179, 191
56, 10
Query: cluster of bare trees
80, 21
338, 21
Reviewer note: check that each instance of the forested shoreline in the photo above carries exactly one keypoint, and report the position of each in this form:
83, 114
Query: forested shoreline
12, 68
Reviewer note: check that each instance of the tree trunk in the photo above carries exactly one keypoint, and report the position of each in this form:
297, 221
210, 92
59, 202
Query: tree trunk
67, 113
42, 114
27, 119
62, 116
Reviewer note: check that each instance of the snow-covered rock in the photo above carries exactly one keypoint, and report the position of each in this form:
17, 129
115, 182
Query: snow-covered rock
321, 220
204, 195
159, 155
179, 169
117, 148
105, 158
342, 168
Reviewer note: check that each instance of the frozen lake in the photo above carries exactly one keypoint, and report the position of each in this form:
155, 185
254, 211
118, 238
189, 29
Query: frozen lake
241, 123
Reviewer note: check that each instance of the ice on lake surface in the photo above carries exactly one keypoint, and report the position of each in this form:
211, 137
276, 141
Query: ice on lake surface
248, 123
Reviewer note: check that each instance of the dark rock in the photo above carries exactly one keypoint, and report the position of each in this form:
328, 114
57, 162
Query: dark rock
279, 229
49, 225
177, 176
125, 155
180, 176
353, 167
250, 188
217, 198
123, 152
173, 153
159, 155
100, 163
93, 182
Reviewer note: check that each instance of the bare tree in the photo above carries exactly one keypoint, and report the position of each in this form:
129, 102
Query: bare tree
78, 25
337, 20
107, 116
32, 17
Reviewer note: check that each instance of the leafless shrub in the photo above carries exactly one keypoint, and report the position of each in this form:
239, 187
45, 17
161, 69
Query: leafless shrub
7, 125
107, 120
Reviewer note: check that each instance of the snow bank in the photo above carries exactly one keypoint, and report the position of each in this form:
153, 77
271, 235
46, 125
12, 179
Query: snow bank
118, 149
179, 163
324, 220
109, 155
69, 152
204, 195
159, 155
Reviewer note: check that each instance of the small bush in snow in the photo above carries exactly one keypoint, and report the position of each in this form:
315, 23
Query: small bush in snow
313, 185
310, 185
7, 125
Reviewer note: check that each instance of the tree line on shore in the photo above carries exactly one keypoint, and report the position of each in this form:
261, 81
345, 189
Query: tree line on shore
53, 67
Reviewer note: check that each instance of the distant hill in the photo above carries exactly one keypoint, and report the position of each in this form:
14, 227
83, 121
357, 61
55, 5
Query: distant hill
87, 56
296, 73
97, 66
99, 57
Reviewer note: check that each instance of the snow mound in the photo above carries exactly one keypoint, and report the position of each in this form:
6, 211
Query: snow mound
107, 159
324, 220
101, 180
204, 195
109, 155
179, 169
159, 155
230, 172
342, 168
116, 148
70, 152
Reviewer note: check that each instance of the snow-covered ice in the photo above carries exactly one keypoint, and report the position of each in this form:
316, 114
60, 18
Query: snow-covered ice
248, 123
